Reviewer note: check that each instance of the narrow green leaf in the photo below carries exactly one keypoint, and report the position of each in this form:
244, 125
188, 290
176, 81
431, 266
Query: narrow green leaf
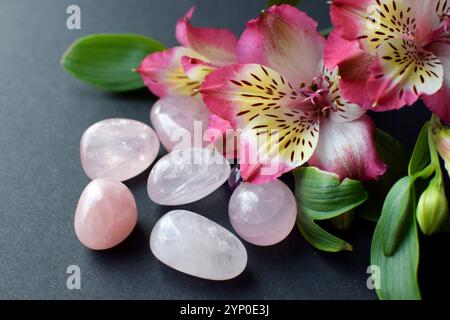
395, 155
278, 2
398, 273
421, 154
397, 207
322, 196
318, 237
107, 60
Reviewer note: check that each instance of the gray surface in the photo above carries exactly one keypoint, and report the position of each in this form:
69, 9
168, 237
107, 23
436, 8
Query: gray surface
43, 113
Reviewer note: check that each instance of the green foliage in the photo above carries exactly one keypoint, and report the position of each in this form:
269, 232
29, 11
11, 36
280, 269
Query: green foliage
395, 244
321, 196
107, 60
398, 271
397, 208
396, 157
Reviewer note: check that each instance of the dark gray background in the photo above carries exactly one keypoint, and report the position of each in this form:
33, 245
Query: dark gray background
43, 113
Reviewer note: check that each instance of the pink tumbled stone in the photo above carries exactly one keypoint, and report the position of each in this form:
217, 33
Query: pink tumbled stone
174, 117
187, 175
118, 149
106, 214
263, 214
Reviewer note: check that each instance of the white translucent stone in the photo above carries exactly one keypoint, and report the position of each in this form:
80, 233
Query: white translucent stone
263, 214
195, 245
118, 149
187, 175
180, 120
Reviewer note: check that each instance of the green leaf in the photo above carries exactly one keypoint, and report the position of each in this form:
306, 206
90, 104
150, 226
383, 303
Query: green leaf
395, 155
107, 60
421, 154
398, 273
397, 207
278, 2
318, 237
320, 196
371, 209
344, 221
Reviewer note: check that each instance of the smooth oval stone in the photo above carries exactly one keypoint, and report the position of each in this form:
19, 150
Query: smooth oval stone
187, 175
173, 118
106, 214
193, 244
118, 149
263, 214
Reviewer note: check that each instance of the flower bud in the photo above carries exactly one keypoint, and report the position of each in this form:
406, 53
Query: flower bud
432, 208
440, 134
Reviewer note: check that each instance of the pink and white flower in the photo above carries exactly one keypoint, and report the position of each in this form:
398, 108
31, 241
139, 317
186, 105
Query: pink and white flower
181, 70
390, 53
287, 105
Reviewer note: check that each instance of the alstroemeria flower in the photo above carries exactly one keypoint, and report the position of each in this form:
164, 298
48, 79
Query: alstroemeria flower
281, 94
181, 70
392, 52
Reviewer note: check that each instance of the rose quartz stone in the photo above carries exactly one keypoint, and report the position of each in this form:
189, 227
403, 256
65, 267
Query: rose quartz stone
187, 175
173, 119
106, 214
195, 245
263, 214
118, 149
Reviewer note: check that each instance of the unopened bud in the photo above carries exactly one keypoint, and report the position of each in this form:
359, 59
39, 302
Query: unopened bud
440, 134
432, 208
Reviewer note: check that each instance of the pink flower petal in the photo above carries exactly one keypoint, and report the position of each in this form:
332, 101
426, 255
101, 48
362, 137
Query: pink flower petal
427, 14
218, 45
285, 39
353, 64
260, 171
196, 69
163, 74
348, 149
373, 22
345, 111
274, 136
250, 86
348, 16
219, 124
439, 102
355, 73
222, 134
401, 73
338, 50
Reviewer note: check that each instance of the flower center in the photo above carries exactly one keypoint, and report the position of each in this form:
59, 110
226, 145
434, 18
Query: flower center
317, 95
